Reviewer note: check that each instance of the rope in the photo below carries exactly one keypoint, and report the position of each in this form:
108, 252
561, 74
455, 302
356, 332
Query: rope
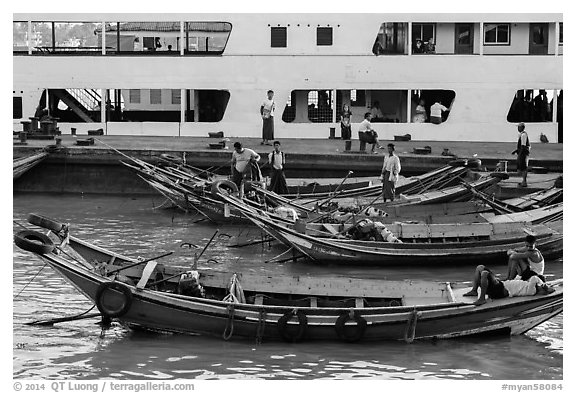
261, 326
229, 330
29, 282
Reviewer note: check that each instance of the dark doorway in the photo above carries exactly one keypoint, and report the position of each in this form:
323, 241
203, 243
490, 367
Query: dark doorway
538, 39
464, 44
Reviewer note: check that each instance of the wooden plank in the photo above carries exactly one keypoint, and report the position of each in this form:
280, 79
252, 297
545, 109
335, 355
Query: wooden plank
146, 273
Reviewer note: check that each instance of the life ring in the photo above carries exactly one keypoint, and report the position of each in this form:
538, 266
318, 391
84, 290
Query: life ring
223, 186
45, 222
302, 326
500, 175
106, 310
358, 331
474, 163
34, 242
459, 162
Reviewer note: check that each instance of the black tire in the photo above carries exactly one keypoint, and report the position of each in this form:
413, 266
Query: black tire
34, 241
343, 331
45, 222
458, 163
223, 186
117, 286
283, 326
500, 175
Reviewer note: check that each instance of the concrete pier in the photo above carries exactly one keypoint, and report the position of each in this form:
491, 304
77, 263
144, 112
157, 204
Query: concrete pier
96, 168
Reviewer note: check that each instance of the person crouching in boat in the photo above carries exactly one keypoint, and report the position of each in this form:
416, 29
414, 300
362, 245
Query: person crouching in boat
494, 288
277, 160
243, 166
390, 171
526, 262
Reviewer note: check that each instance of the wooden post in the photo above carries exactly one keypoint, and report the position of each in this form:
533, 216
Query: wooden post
117, 37
409, 107
103, 38
557, 45
53, 37
481, 49
29, 37
409, 38
555, 106
182, 38
334, 106
183, 99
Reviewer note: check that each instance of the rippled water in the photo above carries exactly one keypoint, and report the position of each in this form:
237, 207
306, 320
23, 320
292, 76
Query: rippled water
82, 350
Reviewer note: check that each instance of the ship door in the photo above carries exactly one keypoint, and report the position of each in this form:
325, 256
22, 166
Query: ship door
538, 39
464, 39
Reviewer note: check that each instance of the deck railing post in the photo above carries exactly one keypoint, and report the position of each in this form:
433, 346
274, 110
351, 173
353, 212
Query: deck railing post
557, 40
29, 37
182, 38
409, 38
481, 49
103, 38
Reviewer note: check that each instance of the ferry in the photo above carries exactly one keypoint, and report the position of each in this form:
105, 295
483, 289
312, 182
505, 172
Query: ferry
194, 74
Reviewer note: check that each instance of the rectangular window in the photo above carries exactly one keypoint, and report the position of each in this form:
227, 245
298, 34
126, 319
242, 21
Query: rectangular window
423, 31
561, 34
175, 96
496, 34
278, 37
324, 36
134, 96
155, 96
16, 107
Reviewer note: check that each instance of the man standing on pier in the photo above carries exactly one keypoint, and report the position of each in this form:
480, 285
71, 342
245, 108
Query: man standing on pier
267, 113
523, 151
390, 171
277, 160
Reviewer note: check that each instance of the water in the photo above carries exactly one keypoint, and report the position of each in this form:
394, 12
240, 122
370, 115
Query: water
82, 350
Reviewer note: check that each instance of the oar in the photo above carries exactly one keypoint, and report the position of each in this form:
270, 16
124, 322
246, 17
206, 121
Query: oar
194, 266
139, 263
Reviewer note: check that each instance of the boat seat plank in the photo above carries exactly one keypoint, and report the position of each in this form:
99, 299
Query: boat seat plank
146, 273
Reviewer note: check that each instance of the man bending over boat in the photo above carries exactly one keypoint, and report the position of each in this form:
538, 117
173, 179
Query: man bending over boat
527, 262
492, 287
243, 165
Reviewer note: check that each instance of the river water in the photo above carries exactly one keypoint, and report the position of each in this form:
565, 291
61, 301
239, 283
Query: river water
135, 226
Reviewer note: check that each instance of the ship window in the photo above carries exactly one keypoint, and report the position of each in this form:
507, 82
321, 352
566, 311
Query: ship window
391, 39
20, 36
16, 107
155, 96
561, 34
278, 37
320, 106
496, 34
134, 96
176, 96
423, 100
289, 113
532, 106
324, 36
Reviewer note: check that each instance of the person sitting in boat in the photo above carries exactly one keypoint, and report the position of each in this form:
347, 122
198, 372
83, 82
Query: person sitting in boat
526, 262
494, 288
189, 285
242, 165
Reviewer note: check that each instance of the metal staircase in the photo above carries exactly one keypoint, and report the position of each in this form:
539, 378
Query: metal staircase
83, 102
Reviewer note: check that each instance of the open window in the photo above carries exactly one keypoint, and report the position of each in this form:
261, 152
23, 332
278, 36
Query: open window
391, 39
533, 106
423, 102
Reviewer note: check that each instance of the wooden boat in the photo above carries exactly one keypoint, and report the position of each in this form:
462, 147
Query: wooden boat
470, 243
23, 164
272, 307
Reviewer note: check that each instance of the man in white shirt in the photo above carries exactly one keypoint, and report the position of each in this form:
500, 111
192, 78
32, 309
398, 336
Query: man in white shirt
523, 151
277, 160
492, 287
526, 262
241, 164
390, 171
267, 112
436, 113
